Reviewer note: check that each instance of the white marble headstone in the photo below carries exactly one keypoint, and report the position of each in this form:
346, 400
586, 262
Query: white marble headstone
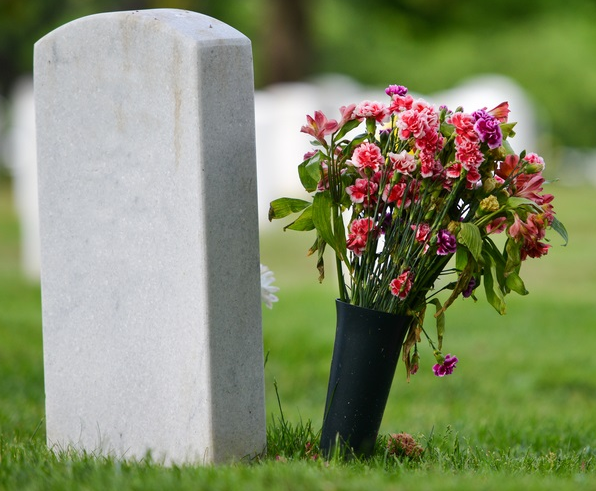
149, 237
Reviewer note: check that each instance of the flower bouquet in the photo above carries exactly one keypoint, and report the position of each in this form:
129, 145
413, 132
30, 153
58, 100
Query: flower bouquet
410, 205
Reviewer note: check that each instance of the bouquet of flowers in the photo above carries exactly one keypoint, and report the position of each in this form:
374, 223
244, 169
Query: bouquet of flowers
415, 188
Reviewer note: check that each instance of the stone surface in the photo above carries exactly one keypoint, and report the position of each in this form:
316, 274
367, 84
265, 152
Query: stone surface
149, 236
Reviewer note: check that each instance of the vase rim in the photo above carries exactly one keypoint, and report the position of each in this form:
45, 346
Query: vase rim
381, 312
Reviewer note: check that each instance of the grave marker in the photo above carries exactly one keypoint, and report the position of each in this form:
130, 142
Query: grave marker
149, 234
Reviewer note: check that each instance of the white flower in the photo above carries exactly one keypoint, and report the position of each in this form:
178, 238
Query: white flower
267, 288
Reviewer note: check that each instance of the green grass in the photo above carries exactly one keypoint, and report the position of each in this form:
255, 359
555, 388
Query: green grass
516, 414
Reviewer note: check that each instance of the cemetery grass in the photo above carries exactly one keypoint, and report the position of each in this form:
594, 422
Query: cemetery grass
518, 413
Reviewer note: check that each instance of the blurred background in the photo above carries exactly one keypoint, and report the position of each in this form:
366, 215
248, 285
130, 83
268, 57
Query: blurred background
320, 54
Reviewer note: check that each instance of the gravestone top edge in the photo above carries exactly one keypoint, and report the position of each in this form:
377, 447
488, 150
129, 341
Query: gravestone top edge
200, 28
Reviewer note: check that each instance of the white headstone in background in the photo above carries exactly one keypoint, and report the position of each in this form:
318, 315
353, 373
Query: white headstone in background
21, 155
149, 232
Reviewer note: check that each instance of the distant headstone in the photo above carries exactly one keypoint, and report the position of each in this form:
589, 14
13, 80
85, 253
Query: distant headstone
149, 236
23, 162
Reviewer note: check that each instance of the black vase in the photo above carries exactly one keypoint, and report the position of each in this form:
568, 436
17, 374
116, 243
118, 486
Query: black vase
365, 354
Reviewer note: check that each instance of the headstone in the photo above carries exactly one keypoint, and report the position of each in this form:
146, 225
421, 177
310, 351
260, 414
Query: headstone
149, 236
22, 157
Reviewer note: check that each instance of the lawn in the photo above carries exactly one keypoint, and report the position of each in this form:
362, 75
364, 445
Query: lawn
518, 413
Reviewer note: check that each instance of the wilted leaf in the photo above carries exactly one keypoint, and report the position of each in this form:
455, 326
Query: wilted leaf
515, 283
440, 316
494, 295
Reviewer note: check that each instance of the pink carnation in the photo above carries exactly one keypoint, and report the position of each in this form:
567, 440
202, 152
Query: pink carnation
371, 109
403, 162
362, 191
464, 126
469, 154
401, 286
367, 156
411, 124
400, 103
358, 236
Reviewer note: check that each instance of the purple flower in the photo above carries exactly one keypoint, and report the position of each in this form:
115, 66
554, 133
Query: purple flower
488, 129
396, 90
445, 368
446, 243
470, 288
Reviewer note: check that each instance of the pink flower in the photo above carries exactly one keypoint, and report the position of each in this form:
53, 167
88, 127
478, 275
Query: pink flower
347, 114
445, 368
507, 167
362, 191
530, 233
371, 109
319, 126
454, 170
497, 226
397, 193
367, 156
469, 154
403, 162
422, 231
530, 186
358, 236
472, 176
401, 286
411, 124
501, 112
464, 126
400, 103
535, 163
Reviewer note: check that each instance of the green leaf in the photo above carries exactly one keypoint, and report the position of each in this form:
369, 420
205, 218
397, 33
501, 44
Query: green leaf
282, 207
461, 258
303, 222
494, 295
513, 253
321, 216
507, 130
309, 172
517, 201
515, 283
469, 235
440, 322
508, 148
558, 227
349, 126
447, 129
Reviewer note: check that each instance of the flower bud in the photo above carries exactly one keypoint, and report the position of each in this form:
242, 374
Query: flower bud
489, 204
414, 363
533, 168
489, 185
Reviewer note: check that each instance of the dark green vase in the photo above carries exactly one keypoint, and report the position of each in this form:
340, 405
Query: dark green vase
365, 354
